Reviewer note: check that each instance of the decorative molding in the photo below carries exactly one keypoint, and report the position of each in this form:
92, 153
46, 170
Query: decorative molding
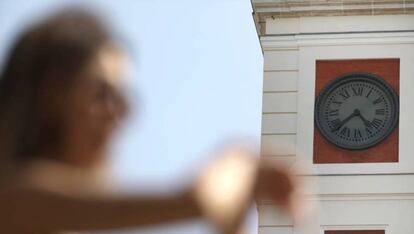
293, 42
300, 8
263, 9
352, 197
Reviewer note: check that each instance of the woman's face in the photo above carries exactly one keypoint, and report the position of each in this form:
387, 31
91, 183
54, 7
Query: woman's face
95, 106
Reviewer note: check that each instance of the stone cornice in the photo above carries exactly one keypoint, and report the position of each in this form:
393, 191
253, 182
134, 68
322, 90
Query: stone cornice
307, 8
298, 8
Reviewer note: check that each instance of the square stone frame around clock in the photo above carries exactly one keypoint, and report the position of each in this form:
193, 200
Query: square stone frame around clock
325, 48
328, 70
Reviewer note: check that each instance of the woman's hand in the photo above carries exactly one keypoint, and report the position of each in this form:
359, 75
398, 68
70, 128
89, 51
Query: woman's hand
225, 189
228, 186
277, 184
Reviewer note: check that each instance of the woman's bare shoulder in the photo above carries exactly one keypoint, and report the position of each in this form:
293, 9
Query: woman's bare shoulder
37, 184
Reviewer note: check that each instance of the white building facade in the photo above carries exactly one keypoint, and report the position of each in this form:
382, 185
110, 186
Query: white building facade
362, 193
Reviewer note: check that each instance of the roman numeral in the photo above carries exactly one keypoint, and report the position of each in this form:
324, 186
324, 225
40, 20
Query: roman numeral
376, 123
345, 132
376, 101
369, 93
357, 133
380, 112
344, 94
334, 113
357, 91
335, 124
336, 102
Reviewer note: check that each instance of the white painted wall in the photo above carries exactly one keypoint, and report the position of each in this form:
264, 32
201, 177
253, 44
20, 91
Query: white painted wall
351, 196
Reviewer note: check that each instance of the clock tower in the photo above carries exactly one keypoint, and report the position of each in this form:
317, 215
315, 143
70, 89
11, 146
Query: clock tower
337, 97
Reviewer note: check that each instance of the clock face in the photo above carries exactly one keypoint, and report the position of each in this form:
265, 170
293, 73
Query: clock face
356, 111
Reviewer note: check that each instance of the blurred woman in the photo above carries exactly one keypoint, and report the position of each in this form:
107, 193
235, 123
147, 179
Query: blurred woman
60, 101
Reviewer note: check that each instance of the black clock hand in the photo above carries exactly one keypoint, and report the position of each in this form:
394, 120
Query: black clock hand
355, 113
366, 122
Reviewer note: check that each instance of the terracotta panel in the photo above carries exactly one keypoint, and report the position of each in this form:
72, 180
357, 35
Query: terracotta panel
328, 70
355, 232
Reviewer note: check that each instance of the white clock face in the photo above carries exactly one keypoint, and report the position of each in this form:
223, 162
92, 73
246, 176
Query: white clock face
356, 111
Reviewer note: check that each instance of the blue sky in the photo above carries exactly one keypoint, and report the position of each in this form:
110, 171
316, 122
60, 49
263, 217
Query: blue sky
196, 82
